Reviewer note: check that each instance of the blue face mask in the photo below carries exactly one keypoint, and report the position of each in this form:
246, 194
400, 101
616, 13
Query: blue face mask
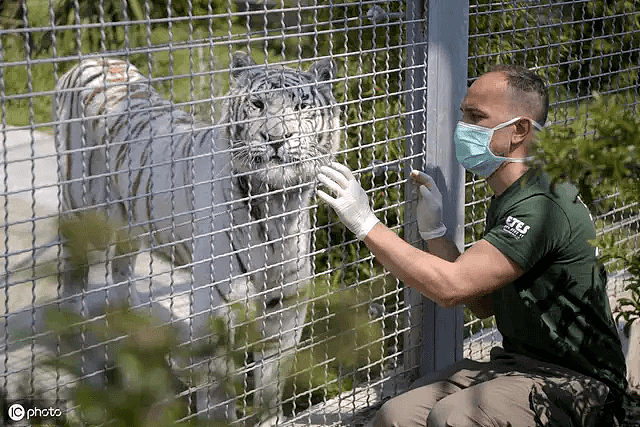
472, 147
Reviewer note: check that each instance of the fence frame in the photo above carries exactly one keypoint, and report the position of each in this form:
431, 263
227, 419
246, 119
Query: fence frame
433, 109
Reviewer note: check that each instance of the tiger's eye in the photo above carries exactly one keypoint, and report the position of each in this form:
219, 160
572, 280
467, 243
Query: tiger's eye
257, 103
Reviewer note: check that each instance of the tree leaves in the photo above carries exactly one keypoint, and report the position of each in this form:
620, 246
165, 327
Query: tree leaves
600, 153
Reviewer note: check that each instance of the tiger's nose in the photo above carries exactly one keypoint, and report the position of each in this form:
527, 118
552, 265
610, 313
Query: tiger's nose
276, 141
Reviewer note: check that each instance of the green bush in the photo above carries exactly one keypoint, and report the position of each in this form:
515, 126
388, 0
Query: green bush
141, 387
583, 46
600, 153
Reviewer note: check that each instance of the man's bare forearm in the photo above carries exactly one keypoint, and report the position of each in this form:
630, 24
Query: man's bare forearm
442, 247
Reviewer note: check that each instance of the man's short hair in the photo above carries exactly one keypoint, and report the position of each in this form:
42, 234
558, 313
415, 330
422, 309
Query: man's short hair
525, 83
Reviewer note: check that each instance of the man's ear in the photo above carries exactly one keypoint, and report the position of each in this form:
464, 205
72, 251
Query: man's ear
523, 129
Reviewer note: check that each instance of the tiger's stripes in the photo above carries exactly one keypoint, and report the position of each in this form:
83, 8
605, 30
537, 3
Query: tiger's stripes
231, 200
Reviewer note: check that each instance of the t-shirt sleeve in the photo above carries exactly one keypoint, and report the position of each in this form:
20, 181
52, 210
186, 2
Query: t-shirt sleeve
529, 230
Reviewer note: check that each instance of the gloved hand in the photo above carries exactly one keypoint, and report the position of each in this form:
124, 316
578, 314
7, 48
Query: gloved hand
350, 202
429, 210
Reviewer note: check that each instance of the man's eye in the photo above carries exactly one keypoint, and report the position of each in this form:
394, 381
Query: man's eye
301, 106
475, 117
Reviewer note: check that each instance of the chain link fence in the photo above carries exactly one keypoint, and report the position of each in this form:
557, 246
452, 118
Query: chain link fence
307, 317
334, 339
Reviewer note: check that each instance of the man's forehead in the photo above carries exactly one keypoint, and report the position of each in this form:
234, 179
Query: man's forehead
488, 90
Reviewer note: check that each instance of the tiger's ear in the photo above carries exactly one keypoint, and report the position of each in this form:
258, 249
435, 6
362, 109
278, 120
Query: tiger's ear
240, 63
323, 70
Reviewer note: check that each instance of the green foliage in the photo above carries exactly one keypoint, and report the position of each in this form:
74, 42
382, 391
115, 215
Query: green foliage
141, 386
115, 37
628, 257
343, 339
86, 232
585, 45
600, 153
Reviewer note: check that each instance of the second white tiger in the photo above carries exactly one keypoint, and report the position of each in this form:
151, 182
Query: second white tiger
231, 200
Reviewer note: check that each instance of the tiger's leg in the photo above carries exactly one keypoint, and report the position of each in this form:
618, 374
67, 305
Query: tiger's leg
74, 275
74, 278
124, 292
281, 326
216, 400
75, 284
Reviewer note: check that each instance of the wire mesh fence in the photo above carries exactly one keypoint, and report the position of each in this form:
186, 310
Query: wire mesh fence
181, 173
146, 162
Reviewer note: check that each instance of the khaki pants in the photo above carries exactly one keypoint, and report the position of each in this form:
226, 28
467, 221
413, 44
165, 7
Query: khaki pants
510, 390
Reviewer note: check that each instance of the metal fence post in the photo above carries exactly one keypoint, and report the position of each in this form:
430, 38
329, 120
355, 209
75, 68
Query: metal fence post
436, 81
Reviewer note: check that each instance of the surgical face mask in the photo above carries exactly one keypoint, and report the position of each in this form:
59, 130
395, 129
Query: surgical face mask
472, 147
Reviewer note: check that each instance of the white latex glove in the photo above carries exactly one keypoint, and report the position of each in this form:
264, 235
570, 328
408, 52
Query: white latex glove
429, 210
350, 202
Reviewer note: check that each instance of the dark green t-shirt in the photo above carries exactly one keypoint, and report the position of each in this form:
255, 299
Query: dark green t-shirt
558, 310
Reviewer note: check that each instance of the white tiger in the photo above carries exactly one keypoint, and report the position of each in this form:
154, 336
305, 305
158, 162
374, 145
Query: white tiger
232, 200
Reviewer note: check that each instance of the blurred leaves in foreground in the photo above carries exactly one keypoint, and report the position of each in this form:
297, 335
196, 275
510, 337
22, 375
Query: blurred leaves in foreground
600, 153
143, 389
142, 385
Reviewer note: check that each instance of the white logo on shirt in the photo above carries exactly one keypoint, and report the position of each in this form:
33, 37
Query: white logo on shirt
515, 227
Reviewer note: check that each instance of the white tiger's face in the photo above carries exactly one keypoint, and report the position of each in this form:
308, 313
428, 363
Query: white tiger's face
283, 124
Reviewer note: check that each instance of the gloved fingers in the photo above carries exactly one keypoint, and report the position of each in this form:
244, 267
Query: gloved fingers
327, 198
422, 179
426, 193
334, 175
330, 183
343, 169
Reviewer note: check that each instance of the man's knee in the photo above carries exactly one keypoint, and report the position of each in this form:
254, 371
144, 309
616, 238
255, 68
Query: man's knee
449, 413
412, 408
390, 414
440, 415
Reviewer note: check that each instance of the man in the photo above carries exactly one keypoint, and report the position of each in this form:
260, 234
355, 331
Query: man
561, 363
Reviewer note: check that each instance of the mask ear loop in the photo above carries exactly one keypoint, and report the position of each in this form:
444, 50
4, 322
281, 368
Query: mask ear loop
535, 124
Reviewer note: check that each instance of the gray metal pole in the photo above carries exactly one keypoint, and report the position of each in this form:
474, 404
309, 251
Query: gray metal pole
437, 73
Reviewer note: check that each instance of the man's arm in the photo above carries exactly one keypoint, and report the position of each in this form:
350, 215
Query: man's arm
479, 271
442, 247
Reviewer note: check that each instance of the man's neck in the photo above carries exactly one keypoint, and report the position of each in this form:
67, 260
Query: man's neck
507, 174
